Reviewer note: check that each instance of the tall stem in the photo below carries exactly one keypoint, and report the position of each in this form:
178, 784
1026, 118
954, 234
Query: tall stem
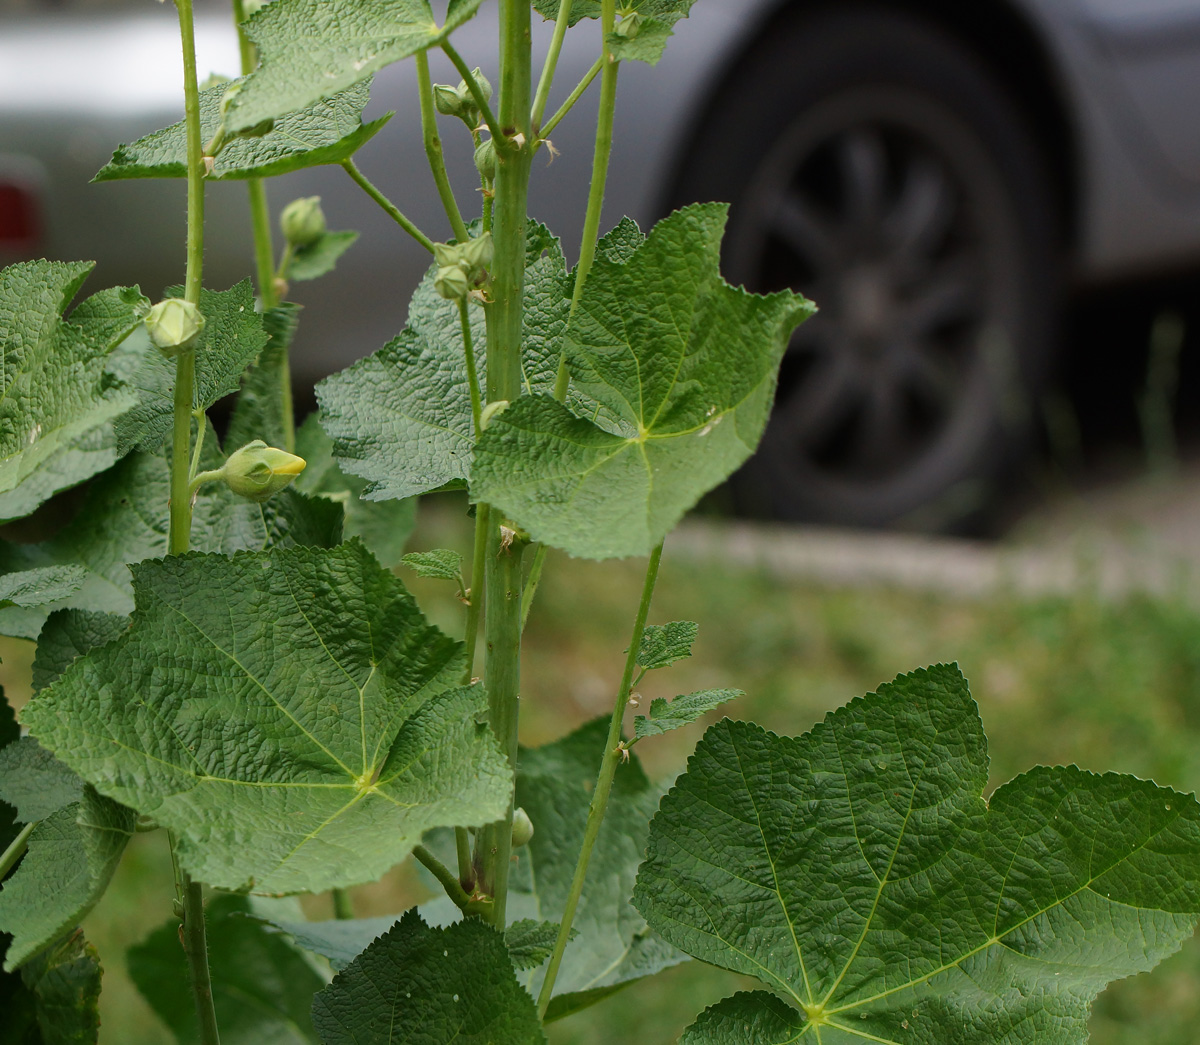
613, 754
433, 149
502, 570
551, 64
191, 893
600, 160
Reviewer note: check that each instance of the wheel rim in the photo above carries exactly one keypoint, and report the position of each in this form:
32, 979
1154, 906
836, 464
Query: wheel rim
881, 206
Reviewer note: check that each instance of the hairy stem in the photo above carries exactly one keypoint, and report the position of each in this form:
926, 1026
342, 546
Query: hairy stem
433, 149
572, 98
551, 64
613, 755
464, 317
481, 103
15, 850
462, 900
389, 208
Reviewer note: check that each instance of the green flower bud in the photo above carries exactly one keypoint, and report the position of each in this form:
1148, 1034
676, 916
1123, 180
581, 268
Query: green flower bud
452, 283
485, 87
629, 26
485, 159
173, 325
477, 256
447, 254
303, 221
522, 828
447, 100
257, 471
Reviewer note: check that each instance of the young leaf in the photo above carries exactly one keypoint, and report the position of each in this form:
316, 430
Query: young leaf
54, 999
313, 48
531, 942
71, 857
580, 9
429, 985
684, 363
329, 131
858, 872
289, 714
232, 337
263, 986
35, 782
321, 256
383, 526
666, 715
440, 564
60, 398
663, 644
40, 587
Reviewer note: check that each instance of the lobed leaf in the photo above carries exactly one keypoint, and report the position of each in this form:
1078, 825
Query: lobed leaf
666, 715
664, 644
417, 983
58, 396
329, 131
858, 873
440, 564
684, 364
312, 49
289, 714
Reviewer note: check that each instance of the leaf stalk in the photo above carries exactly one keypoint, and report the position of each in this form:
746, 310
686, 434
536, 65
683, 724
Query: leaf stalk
389, 208
433, 149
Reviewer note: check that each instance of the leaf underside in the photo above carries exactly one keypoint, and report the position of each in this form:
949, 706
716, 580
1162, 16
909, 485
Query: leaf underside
289, 714
858, 873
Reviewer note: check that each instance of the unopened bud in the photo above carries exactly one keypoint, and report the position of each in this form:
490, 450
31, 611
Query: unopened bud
522, 828
447, 100
257, 471
485, 159
303, 221
173, 325
629, 26
485, 87
451, 282
477, 256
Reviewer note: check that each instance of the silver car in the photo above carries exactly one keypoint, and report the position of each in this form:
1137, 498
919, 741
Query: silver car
937, 175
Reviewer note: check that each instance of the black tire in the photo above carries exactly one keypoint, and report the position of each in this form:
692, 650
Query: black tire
873, 163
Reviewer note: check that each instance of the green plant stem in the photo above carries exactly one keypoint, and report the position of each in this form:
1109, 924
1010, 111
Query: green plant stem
481, 102
613, 755
15, 850
343, 906
572, 98
214, 475
466, 864
464, 317
433, 149
551, 64
389, 208
454, 890
502, 570
600, 161
532, 582
477, 599
201, 431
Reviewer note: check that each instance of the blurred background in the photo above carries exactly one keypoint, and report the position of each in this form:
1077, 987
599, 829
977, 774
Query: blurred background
983, 448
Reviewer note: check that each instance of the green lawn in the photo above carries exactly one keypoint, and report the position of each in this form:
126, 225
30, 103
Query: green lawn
1106, 686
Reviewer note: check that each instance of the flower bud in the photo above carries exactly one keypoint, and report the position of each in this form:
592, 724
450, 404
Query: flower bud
477, 256
485, 87
452, 283
629, 26
173, 325
257, 471
447, 254
522, 828
485, 159
447, 100
303, 221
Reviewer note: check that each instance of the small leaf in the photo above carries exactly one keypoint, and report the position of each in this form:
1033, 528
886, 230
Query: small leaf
658, 18
60, 398
663, 644
321, 256
580, 9
35, 782
40, 587
682, 711
429, 985
262, 985
440, 564
531, 942
289, 714
329, 131
311, 49
858, 873
684, 368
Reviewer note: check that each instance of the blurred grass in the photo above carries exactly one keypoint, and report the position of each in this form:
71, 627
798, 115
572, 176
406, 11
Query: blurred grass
1104, 685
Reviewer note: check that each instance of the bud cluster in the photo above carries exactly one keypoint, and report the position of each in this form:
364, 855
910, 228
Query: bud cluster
462, 266
459, 101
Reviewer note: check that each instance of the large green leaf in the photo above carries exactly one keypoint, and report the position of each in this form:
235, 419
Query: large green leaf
58, 398
124, 519
34, 782
434, 986
328, 132
263, 986
233, 335
858, 872
289, 714
684, 364
311, 49
54, 999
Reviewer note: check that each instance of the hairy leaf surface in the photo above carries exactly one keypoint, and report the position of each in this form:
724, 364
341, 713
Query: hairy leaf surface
417, 983
664, 644
684, 364
35, 782
289, 714
54, 999
858, 872
666, 715
40, 586
329, 131
58, 397
441, 564
312, 49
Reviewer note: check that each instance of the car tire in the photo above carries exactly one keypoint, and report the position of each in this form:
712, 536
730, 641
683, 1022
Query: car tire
875, 164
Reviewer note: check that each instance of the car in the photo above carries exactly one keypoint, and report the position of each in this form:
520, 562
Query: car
939, 177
